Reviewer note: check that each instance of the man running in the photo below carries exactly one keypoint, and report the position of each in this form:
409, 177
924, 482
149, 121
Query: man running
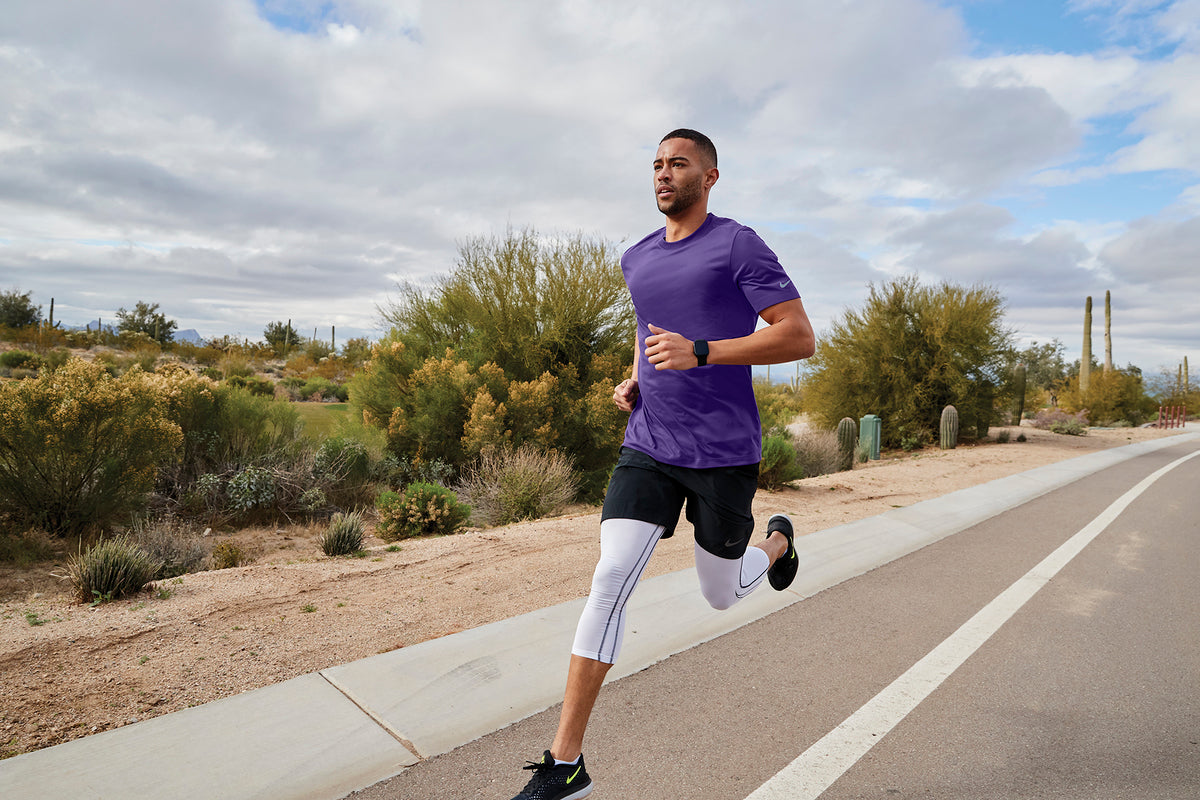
699, 286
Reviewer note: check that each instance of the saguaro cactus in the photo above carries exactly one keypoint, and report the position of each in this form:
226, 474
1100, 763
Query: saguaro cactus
1019, 389
949, 428
1108, 331
847, 434
1085, 362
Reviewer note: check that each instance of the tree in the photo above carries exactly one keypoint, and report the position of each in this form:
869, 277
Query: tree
147, 319
909, 353
17, 310
522, 342
281, 336
526, 303
1044, 364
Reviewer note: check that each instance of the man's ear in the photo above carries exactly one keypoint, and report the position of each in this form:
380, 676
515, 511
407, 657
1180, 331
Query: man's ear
710, 177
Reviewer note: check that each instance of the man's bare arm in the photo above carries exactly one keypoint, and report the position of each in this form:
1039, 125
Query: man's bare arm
626, 393
788, 336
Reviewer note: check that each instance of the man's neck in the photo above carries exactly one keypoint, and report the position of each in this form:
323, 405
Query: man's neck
687, 223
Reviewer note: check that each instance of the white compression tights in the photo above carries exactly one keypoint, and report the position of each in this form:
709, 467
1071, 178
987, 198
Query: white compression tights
625, 548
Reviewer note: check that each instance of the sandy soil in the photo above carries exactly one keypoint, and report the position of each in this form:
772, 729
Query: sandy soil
69, 670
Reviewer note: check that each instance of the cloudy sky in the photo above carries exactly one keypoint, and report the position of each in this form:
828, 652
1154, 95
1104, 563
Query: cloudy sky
240, 162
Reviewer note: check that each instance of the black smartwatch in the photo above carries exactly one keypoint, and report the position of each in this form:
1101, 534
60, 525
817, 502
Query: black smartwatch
700, 349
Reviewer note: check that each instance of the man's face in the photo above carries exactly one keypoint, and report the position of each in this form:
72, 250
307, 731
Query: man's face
680, 176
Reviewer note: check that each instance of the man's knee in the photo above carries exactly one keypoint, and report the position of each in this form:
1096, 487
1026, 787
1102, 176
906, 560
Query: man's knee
720, 598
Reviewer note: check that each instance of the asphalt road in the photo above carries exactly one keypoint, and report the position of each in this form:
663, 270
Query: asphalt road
1086, 685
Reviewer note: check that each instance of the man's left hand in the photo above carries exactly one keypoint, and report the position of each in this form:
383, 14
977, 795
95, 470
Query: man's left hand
667, 350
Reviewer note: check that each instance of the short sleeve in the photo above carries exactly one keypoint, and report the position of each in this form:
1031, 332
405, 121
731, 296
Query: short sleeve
758, 273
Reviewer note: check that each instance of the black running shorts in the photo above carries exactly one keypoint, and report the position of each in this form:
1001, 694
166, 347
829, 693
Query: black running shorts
718, 499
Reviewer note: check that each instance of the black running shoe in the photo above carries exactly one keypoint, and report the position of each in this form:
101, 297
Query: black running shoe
562, 782
783, 571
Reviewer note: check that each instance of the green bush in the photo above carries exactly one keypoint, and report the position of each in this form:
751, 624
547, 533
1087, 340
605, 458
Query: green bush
252, 488
344, 535
512, 485
522, 342
778, 465
20, 359
1069, 427
424, 509
110, 570
260, 387
911, 351
80, 449
227, 554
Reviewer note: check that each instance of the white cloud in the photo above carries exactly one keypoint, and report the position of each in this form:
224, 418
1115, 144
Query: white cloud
237, 171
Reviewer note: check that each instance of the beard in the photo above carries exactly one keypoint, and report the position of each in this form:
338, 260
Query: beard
686, 195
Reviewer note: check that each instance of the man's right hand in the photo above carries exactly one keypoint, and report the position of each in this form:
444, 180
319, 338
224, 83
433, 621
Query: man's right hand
626, 394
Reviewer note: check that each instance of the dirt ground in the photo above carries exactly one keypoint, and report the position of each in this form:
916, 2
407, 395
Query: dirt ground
68, 670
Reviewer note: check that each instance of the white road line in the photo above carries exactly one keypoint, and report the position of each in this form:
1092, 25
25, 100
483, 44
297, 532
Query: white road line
816, 769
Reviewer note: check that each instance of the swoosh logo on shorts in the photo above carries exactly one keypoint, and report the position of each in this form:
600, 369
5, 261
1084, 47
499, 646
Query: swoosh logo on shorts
732, 542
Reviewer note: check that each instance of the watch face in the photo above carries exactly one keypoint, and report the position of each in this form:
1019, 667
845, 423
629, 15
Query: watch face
700, 347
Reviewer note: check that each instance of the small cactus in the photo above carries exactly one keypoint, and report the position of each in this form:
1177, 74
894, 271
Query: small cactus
949, 428
847, 434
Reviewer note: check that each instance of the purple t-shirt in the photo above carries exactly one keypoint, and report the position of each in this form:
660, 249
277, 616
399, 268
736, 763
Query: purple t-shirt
709, 286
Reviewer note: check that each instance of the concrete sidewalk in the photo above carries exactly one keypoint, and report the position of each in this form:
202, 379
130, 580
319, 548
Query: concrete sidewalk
327, 734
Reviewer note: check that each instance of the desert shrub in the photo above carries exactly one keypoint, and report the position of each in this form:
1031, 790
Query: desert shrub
1049, 419
1003, 437
423, 509
251, 488
313, 499
816, 453
1022, 437
235, 365
225, 429
25, 548
778, 405
522, 342
778, 465
80, 449
171, 544
514, 484
398, 471
1113, 396
911, 351
111, 569
342, 465
1069, 427
260, 387
227, 554
177, 549
319, 388
344, 535
20, 359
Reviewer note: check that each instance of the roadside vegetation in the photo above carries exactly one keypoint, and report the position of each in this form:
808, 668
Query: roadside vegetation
487, 401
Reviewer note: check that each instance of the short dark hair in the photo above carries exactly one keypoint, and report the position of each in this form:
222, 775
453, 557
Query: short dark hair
708, 150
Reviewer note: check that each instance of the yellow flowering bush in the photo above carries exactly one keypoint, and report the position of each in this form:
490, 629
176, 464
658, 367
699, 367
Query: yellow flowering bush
79, 448
424, 509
